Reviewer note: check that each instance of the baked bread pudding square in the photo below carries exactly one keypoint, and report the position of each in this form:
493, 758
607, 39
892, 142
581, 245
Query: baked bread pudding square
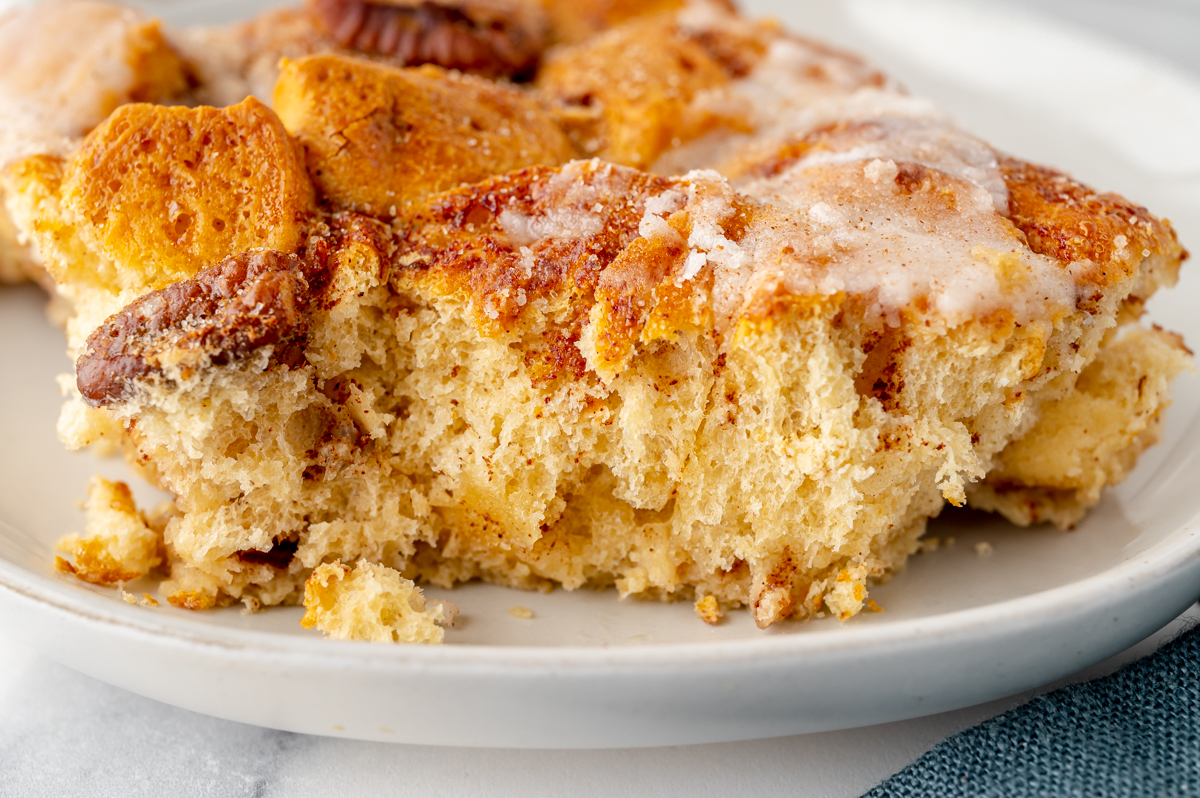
665, 300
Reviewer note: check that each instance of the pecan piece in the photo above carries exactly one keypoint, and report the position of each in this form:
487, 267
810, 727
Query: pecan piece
280, 554
225, 313
491, 37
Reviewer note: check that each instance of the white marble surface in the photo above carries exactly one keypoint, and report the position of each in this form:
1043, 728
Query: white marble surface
65, 734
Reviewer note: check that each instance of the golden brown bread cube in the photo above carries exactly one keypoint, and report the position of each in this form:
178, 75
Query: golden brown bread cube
581, 19
155, 194
625, 94
377, 137
164, 191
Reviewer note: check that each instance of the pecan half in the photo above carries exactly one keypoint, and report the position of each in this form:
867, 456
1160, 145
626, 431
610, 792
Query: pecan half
223, 314
492, 37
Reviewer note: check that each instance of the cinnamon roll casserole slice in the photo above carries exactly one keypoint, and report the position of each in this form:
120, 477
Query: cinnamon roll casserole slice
676, 303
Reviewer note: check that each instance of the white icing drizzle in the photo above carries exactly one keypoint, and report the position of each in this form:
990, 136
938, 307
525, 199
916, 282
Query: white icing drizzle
931, 143
849, 227
577, 209
710, 203
836, 220
848, 187
822, 227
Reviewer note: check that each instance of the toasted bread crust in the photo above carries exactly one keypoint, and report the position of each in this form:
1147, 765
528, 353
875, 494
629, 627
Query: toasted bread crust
165, 191
1065, 219
460, 239
378, 138
624, 95
160, 74
659, 81
582, 19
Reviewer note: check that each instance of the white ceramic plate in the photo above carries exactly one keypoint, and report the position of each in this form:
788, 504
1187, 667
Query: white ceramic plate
587, 670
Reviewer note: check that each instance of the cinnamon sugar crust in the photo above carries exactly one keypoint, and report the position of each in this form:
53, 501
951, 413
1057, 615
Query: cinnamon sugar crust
529, 236
1105, 237
1065, 219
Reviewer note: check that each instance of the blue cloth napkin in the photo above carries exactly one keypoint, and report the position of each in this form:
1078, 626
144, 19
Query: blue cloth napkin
1134, 733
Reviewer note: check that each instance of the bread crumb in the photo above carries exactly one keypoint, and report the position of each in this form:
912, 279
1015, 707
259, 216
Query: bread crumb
873, 606
120, 546
146, 600
192, 600
708, 609
929, 544
846, 596
524, 613
448, 609
983, 548
369, 602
